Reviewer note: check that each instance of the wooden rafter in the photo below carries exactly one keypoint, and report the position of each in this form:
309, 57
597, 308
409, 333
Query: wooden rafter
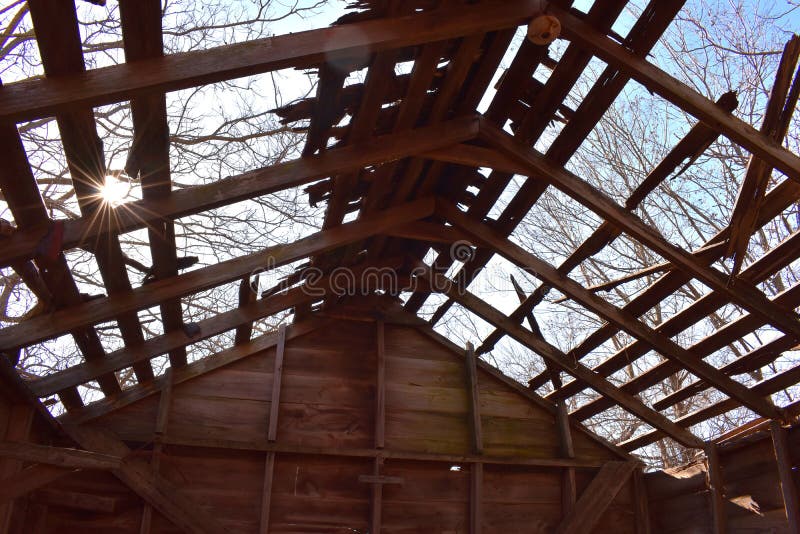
686, 98
742, 293
550, 275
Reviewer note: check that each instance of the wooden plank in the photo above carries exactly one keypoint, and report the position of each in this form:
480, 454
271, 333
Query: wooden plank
716, 489
28, 100
780, 443
596, 497
98, 310
149, 154
474, 399
686, 98
355, 452
741, 292
380, 386
59, 456
137, 475
277, 375
266, 495
628, 402
550, 275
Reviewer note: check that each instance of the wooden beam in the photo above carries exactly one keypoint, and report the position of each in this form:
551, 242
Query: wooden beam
277, 375
596, 498
568, 489
683, 96
389, 454
476, 498
162, 420
248, 293
550, 275
716, 489
148, 157
780, 442
783, 380
566, 364
28, 100
266, 493
59, 456
95, 311
474, 399
380, 384
740, 292
183, 202
137, 475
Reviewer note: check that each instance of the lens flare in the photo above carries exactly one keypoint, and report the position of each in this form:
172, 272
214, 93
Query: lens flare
115, 191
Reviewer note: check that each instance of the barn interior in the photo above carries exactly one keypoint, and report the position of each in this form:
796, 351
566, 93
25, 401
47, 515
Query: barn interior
354, 412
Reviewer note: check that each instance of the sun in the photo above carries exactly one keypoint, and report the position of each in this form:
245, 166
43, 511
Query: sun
114, 191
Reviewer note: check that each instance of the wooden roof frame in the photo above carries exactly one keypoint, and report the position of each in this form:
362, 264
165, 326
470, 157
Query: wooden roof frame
425, 141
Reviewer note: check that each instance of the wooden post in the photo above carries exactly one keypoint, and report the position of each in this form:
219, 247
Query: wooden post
476, 472
716, 489
162, 418
472, 392
277, 373
377, 480
272, 429
476, 498
780, 442
380, 396
568, 490
266, 498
